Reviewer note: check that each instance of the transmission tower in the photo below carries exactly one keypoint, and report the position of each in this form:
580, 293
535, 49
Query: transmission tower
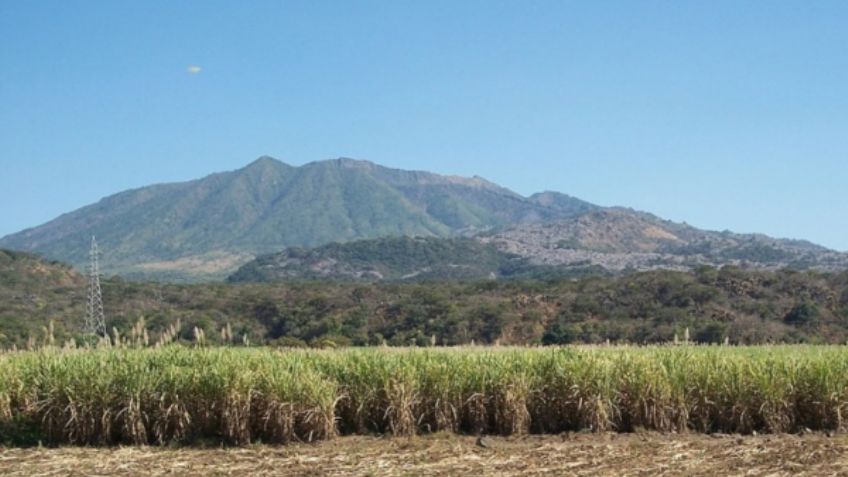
95, 323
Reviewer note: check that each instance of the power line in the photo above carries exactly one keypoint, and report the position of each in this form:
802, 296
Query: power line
95, 322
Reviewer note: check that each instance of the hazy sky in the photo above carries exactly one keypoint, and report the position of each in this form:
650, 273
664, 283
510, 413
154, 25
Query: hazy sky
727, 115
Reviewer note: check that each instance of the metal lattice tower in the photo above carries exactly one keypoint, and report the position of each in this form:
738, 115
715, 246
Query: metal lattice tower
95, 322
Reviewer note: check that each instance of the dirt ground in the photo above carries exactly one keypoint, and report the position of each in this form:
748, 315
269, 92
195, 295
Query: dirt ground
641, 454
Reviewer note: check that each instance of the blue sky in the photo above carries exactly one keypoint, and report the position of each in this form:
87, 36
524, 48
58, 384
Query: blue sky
726, 115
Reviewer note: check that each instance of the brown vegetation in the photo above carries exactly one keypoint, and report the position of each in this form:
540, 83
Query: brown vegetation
640, 454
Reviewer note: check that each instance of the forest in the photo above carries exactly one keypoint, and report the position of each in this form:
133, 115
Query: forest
710, 305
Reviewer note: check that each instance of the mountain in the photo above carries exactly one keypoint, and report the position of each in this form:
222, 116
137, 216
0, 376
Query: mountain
206, 228
398, 259
559, 201
391, 258
620, 239
601, 241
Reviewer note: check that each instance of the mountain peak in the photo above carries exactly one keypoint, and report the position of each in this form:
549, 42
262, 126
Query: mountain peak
265, 162
266, 206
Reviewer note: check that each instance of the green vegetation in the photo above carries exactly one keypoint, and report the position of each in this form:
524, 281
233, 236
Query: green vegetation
399, 259
237, 395
204, 230
650, 307
267, 206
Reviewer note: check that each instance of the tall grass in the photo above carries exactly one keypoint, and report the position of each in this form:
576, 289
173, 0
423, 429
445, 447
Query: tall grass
241, 395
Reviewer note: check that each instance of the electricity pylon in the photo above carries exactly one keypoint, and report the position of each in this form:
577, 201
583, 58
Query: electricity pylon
95, 323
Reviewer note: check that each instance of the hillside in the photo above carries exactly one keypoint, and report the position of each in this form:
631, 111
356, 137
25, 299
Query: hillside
619, 239
34, 290
393, 259
746, 306
599, 241
397, 259
206, 228
28, 271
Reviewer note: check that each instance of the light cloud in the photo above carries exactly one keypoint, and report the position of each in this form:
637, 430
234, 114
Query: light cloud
193, 69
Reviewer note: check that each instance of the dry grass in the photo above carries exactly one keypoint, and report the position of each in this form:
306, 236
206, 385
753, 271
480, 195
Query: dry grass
445, 454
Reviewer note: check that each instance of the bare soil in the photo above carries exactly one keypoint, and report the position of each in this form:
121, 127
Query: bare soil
639, 454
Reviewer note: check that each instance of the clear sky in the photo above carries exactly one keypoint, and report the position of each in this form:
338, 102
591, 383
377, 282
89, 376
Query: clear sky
726, 115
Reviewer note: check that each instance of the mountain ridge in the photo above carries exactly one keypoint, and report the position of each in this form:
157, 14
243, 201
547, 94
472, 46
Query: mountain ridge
206, 228
619, 239
223, 219
536, 252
